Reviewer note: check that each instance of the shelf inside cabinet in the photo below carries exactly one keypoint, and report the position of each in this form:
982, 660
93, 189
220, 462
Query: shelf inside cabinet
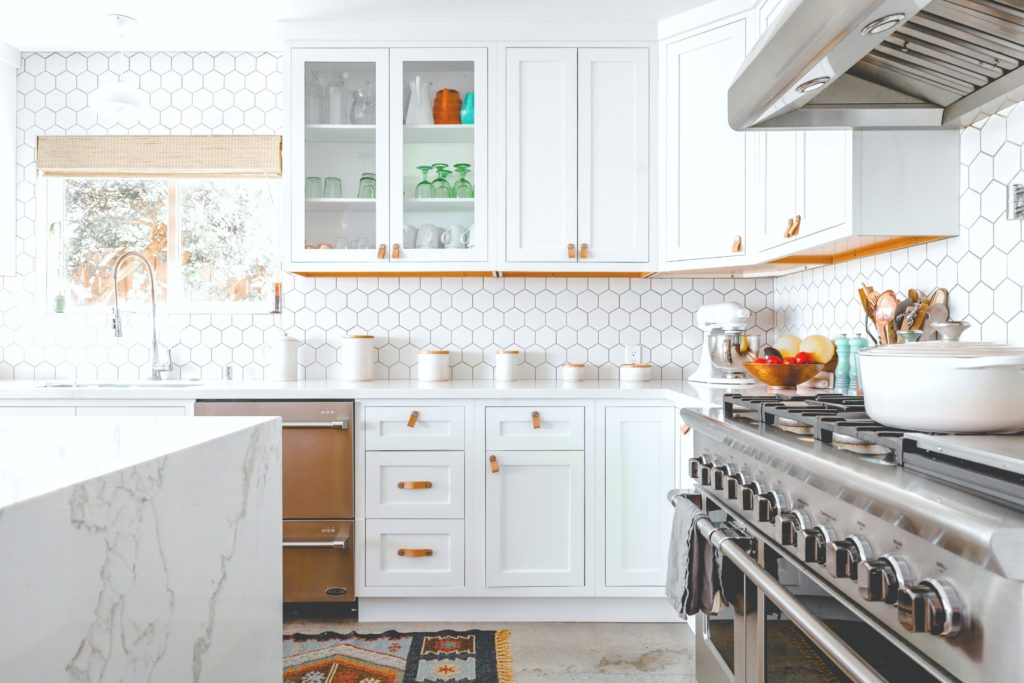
462, 132
346, 204
329, 132
438, 205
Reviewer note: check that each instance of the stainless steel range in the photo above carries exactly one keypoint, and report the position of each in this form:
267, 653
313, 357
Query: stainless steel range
862, 553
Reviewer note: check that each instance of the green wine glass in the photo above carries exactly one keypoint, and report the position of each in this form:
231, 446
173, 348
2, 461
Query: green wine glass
424, 190
442, 190
463, 189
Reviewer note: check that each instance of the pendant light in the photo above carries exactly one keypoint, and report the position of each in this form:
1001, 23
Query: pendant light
119, 100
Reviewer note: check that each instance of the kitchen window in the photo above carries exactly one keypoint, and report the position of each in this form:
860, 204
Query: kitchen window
208, 230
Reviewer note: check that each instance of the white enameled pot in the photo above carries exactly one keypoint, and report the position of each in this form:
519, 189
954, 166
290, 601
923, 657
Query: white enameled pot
969, 387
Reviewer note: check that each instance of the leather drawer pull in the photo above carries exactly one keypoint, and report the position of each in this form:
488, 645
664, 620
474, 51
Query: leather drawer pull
413, 416
494, 464
415, 484
415, 552
536, 419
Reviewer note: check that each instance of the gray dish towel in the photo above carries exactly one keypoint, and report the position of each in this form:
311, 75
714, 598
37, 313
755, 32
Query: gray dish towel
680, 565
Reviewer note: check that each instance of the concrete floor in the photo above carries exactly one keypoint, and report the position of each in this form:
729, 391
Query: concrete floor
562, 652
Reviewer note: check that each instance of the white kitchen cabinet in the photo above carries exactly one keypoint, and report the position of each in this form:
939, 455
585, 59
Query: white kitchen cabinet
710, 169
415, 484
96, 408
30, 411
534, 519
415, 553
417, 144
639, 464
577, 157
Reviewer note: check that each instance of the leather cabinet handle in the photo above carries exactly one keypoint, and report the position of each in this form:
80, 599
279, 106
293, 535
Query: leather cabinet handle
535, 415
413, 416
584, 250
415, 552
406, 485
737, 244
382, 251
395, 248
494, 464
572, 251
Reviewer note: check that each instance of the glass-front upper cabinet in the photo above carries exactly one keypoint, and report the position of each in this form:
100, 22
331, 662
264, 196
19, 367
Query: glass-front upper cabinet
438, 155
340, 103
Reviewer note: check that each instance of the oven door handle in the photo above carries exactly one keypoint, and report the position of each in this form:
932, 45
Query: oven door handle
337, 424
851, 663
337, 544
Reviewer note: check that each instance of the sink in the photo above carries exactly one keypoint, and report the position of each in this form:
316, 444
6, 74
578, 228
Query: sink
120, 384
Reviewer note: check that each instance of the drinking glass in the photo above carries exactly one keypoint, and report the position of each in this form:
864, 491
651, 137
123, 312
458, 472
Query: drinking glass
424, 190
315, 98
314, 187
462, 187
332, 188
364, 105
442, 190
338, 98
368, 186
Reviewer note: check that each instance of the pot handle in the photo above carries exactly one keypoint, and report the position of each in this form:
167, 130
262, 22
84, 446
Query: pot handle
990, 362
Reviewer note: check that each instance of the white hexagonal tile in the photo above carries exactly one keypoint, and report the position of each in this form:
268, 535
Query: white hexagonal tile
980, 172
993, 268
993, 134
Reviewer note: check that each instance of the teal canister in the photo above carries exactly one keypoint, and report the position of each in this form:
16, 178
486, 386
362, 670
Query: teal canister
842, 360
466, 113
857, 344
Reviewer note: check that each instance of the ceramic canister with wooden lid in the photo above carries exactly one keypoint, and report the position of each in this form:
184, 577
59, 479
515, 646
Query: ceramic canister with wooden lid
357, 357
433, 365
506, 362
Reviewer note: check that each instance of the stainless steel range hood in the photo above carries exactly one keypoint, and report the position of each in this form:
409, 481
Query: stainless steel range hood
882, 64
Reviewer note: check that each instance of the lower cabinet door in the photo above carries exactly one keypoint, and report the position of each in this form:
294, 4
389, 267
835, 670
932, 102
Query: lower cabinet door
415, 552
534, 518
639, 468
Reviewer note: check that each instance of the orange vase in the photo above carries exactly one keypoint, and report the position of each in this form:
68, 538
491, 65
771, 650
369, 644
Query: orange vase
447, 104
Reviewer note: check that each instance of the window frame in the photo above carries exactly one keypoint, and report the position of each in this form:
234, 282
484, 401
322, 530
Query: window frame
50, 203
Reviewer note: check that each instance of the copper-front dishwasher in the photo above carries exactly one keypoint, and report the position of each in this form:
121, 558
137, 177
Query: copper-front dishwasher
318, 495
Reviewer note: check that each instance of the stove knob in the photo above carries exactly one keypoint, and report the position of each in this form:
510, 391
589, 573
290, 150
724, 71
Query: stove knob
787, 531
931, 606
769, 505
734, 484
695, 464
814, 541
881, 580
749, 492
842, 557
719, 474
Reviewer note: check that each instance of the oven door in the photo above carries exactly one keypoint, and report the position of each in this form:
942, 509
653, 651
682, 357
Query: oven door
317, 473
788, 650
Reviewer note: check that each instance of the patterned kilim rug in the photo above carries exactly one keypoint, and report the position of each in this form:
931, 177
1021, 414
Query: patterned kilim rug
392, 657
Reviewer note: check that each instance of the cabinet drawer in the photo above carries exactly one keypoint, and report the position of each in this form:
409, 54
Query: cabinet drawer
415, 552
414, 484
439, 428
517, 429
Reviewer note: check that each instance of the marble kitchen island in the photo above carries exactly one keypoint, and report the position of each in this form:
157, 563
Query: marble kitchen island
140, 549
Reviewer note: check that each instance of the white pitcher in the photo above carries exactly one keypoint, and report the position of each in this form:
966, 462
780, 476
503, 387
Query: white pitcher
421, 109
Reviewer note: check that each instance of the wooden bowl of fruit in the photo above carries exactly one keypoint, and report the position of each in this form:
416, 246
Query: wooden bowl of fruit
792, 361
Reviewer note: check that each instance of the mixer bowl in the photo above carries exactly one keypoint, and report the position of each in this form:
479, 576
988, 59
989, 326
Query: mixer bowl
730, 350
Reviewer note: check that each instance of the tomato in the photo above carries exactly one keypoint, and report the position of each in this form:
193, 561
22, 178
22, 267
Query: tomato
803, 358
773, 360
789, 361
761, 361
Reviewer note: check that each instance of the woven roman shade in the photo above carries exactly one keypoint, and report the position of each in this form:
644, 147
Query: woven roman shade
159, 156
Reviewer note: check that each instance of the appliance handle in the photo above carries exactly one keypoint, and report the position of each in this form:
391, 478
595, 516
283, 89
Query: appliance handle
337, 424
336, 544
809, 624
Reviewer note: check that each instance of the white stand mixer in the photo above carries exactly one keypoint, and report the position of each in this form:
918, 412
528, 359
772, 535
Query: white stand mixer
726, 344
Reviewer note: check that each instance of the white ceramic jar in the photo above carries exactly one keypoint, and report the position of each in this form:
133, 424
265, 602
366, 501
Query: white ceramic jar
281, 356
635, 372
573, 372
433, 366
506, 365
357, 357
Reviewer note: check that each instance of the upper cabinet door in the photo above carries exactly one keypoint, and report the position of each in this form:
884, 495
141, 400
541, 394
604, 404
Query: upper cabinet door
708, 188
781, 176
614, 155
439, 155
826, 180
541, 141
338, 107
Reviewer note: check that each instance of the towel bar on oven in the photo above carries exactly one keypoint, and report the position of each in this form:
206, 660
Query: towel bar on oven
692, 494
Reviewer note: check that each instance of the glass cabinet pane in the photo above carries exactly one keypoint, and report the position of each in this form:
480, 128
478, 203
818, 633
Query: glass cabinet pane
438, 134
343, 104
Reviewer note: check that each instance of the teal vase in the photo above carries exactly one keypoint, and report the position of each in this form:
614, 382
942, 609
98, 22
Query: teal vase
466, 113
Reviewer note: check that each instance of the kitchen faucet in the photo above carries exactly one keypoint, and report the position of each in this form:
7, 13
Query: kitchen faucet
158, 367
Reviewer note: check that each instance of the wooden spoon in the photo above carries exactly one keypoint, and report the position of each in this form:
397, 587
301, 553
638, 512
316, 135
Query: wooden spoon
885, 312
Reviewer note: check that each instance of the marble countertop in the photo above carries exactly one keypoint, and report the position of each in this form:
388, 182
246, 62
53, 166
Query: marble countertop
382, 389
40, 455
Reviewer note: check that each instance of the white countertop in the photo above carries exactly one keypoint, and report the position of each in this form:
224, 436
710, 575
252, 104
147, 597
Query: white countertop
39, 455
382, 389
